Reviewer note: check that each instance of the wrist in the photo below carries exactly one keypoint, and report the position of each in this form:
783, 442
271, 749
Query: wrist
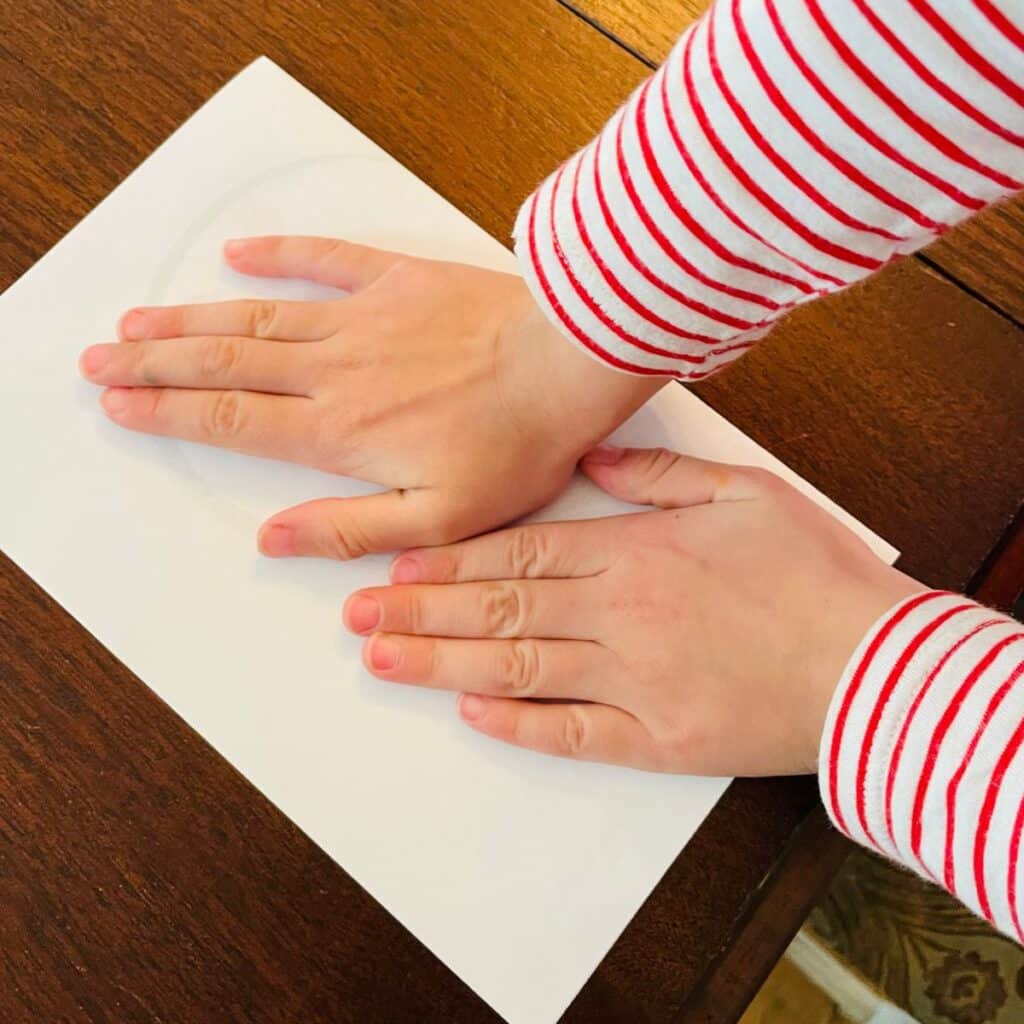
929, 662
848, 620
568, 392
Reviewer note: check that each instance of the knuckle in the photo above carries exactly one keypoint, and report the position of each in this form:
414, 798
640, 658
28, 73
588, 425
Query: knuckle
521, 670
526, 552
411, 272
262, 319
575, 737
334, 438
332, 249
219, 357
660, 463
505, 611
225, 416
335, 252
154, 409
147, 372
412, 615
344, 541
433, 666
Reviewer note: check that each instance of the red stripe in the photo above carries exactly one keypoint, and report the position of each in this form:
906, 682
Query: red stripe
694, 375
679, 209
662, 239
814, 140
1001, 22
716, 198
570, 325
918, 124
853, 687
739, 172
897, 752
951, 96
985, 816
894, 676
595, 309
623, 242
627, 250
932, 754
1011, 877
987, 70
949, 873
855, 124
613, 282
786, 169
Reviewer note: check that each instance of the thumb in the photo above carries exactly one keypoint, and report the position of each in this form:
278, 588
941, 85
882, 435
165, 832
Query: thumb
656, 476
329, 261
347, 528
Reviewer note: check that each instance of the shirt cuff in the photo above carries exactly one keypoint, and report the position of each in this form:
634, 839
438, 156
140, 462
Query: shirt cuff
922, 755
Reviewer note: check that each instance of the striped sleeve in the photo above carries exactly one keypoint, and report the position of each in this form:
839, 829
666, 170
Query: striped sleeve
922, 757
785, 150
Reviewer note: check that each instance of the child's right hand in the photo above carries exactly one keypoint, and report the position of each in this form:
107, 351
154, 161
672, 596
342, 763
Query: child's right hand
705, 636
442, 381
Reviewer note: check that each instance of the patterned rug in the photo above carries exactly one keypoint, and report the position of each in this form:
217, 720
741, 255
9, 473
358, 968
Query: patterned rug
928, 954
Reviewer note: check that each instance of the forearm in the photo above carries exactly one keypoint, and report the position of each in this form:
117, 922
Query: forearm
785, 150
922, 757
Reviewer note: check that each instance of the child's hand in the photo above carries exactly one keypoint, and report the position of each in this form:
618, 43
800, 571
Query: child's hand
705, 638
442, 381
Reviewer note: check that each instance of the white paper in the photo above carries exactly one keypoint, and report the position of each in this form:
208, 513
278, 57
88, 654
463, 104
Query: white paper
518, 871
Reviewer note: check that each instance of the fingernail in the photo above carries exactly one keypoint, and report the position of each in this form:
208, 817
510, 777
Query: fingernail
405, 569
93, 359
276, 540
604, 455
471, 707
133, 325
362, 613
115, 400
384, 653
233, 247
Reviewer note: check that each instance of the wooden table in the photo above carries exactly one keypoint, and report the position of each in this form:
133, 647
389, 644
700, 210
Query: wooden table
141, 878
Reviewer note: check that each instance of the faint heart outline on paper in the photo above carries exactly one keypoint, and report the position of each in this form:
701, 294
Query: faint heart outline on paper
158, 289
216, 470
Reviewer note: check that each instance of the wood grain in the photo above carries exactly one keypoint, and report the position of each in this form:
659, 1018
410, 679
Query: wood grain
143, 879
816, 851
984, 254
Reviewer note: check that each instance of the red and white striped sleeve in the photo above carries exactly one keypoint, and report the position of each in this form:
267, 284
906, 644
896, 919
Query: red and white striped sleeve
785, 150
922, 757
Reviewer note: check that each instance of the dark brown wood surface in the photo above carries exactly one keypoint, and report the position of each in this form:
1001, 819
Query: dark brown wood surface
983, 255
141, 878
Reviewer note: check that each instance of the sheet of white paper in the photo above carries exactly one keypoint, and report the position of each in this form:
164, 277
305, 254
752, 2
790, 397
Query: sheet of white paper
518, 871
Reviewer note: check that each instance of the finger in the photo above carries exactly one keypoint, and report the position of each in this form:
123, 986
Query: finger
271, 319
656, 476
574, 669
206, 362
550, 550
347, 528
586, 732
276, 426
329, 261
552, 609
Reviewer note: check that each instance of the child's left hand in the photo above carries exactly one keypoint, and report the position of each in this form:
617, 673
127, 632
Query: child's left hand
704, 638
445, 383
